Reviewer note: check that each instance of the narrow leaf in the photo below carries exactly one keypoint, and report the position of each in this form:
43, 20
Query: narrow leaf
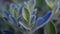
51, 3
41, 21
26, 14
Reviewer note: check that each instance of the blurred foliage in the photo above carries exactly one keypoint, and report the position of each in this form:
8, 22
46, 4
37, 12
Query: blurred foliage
43, 7
50, 29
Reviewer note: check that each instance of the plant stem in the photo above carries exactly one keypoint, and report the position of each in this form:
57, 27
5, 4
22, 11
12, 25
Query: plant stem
27, 32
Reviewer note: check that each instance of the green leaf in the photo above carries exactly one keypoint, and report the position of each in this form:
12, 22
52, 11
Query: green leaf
50, 29
14, 13
30, 5
26, 23
51, 3
26, 14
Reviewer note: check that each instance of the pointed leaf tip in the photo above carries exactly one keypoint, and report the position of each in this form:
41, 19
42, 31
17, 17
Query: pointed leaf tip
41, 21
